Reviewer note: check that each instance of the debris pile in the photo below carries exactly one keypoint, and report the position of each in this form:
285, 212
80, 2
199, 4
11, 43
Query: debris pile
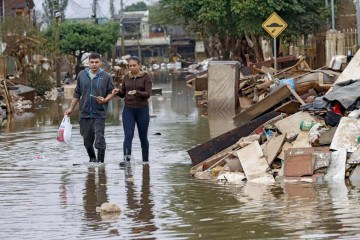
314, 135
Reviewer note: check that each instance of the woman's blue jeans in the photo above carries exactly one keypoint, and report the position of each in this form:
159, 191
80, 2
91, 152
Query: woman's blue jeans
140, 117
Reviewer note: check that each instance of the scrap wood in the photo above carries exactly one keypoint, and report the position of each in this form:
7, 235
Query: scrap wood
265, 84
289, 107
213, 159
273, 147
291, 124
254, 163
190, 81
295, 66
265, 104
247, 90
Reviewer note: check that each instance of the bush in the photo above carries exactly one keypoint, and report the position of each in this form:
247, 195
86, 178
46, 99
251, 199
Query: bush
40, 80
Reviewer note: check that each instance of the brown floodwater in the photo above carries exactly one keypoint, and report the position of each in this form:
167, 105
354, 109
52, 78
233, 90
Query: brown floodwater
49, 191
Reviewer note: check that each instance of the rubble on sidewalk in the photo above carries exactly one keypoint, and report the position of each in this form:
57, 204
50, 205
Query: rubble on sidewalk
315, 137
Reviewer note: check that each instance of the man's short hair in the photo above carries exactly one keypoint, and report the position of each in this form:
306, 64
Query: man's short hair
94, 56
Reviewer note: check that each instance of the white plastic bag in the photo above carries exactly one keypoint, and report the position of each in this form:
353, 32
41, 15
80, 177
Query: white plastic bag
64, 132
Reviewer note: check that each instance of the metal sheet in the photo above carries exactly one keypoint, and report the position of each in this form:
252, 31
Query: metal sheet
223, 85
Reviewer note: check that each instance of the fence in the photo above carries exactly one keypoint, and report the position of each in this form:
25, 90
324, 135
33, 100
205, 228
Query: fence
342, 42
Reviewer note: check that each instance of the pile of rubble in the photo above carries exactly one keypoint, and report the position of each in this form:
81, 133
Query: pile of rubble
315, 134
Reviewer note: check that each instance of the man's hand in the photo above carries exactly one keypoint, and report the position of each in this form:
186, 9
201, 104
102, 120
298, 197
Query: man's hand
68, 112
101, 100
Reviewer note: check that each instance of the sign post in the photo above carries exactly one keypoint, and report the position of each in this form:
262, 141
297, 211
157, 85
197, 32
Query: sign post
274, 25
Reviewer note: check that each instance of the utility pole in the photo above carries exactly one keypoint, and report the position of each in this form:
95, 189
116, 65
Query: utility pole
57, 45
332, 17
327, 19
139, 48
94, 6
358, 21
122, 27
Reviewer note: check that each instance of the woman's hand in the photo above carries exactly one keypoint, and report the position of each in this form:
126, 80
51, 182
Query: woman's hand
132, 92
115, 91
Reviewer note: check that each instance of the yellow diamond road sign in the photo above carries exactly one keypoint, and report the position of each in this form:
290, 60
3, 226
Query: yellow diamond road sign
274, 25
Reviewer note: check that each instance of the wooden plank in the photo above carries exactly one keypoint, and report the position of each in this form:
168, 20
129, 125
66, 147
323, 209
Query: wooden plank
201, 83
346, 135
273, 148
295, 94
245, 102
291, 124
219, 143
302, 140
289, 107
262, 106
254, 164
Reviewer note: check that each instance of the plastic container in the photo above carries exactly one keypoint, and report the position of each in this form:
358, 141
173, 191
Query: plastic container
289, 81
306, 125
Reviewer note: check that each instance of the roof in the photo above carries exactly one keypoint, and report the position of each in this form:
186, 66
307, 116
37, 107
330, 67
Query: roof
146, 42
16, 4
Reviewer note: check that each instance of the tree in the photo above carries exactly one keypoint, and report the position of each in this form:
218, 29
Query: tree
52, 6
140, 6
236, 24
76, 38
21, 39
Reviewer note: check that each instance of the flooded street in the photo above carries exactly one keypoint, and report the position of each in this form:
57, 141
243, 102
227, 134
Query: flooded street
48, 190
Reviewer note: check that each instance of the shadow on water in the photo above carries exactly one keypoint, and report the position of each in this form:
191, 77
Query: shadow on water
48, 190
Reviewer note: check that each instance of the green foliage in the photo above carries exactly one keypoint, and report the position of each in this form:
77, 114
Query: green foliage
162, 13
40, 80
86, 37
140, 6
303, 18
239, 17
17, 26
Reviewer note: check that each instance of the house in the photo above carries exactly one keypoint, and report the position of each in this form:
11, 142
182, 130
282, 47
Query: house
142, 39
22, 8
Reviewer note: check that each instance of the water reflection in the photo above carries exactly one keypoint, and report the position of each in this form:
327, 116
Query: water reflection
40, 197
140, 210
221, 121
95, 194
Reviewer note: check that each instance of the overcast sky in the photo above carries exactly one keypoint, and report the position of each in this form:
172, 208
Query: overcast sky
83, 8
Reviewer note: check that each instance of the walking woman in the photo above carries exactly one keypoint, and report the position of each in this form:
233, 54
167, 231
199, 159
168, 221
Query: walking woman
136, 89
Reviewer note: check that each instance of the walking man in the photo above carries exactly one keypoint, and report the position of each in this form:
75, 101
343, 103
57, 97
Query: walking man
93, 90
